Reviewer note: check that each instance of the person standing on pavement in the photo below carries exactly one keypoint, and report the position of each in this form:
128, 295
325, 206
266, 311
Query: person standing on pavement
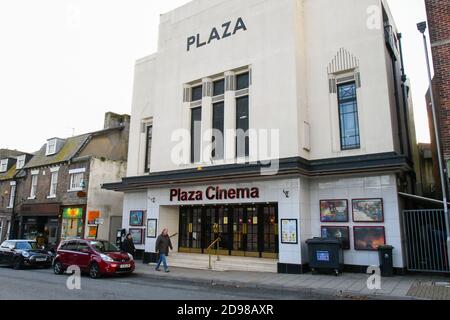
128, 245
163, 244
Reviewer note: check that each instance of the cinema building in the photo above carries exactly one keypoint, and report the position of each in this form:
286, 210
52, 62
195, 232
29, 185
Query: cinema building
316, 87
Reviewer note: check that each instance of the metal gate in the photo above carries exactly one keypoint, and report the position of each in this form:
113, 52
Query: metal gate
426, 240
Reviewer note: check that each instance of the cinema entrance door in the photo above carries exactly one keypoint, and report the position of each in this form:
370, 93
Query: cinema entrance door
244, 230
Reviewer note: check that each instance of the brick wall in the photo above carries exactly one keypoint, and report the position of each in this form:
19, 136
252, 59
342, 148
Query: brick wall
438, 12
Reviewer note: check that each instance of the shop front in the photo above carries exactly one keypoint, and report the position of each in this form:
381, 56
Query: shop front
40, 221
73, 223
243, 230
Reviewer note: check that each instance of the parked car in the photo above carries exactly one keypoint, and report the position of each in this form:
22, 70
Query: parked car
24, 253
96, 257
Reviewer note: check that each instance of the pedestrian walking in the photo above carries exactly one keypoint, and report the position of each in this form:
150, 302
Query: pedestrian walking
128, 245
163, 244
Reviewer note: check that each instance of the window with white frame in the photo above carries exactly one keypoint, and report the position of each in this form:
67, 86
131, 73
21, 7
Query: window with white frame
34, 182
51, 147
3, 165
12, 195
20, 162
53, 184
76, 179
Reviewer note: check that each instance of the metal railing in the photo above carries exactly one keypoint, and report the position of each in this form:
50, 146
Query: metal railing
426, 240
217, 244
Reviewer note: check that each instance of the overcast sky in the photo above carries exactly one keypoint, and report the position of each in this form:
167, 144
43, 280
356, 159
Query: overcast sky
64, 63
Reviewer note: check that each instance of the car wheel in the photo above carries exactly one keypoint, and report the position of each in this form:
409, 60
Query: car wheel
17, 264
58, 268
94, 271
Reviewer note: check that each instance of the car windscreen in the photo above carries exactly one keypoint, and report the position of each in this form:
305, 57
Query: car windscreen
104, 246
25, 245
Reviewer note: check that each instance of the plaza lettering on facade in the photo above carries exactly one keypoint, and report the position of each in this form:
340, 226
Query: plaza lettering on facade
227, 30
214, 193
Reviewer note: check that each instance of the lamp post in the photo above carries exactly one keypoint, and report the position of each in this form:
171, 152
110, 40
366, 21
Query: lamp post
422, 27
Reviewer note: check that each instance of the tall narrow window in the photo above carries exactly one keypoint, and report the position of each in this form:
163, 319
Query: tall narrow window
197, 93
196, 134
219, 87
34, 181
218, 134
12, 197
242, 81
348, 116
148, 148
53, 184
242, 126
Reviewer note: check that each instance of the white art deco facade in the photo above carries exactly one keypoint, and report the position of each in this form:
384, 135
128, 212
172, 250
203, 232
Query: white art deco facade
321, 76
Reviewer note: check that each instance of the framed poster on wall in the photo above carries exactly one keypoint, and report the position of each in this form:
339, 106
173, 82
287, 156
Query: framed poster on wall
334, 211
340, 233
289, 233
369, 238
137, 218
152, 227
368, 210
137, 235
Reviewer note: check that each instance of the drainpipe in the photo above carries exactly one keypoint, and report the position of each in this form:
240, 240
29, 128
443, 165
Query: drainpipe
405, 104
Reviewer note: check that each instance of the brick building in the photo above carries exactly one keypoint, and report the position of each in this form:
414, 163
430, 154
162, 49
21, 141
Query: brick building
438, 12
11, 163
60, 196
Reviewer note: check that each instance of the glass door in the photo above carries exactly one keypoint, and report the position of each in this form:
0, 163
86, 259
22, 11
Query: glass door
252, 232
239, 232
270, 232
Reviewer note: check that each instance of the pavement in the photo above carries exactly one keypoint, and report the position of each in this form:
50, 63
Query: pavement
346, 286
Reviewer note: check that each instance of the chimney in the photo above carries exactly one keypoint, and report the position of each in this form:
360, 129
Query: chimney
114, 120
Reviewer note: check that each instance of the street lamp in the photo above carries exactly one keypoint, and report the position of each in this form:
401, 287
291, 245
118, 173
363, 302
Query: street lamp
422, 27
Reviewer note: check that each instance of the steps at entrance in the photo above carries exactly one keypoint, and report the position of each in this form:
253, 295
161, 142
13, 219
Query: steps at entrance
226, 263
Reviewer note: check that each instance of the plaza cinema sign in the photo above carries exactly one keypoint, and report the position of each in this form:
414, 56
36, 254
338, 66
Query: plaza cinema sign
214, 193
227, 29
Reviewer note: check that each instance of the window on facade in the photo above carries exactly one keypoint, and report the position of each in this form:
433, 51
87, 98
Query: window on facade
75, 181
242, 126
20, 162
348, 116
53, 184
4, 165
218, 134
219, 87
196, 134
51, 147
34, 182
148, 148
242, 81
12, 196
197, 93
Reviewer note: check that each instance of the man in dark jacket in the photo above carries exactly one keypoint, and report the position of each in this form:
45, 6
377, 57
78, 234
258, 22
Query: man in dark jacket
128, 245
163, 244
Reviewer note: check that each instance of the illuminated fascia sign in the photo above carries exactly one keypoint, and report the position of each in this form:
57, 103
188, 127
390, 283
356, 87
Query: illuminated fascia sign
214, 193
227, 30
73, 213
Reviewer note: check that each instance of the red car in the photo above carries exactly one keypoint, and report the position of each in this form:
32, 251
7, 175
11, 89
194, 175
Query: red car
96, 257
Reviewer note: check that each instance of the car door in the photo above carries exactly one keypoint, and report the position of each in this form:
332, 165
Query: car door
3, 249
67, 252
9, 253
83, 255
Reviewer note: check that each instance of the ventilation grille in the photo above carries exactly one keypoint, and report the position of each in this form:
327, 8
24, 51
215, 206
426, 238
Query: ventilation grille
207, 89
187, 95
230, 83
